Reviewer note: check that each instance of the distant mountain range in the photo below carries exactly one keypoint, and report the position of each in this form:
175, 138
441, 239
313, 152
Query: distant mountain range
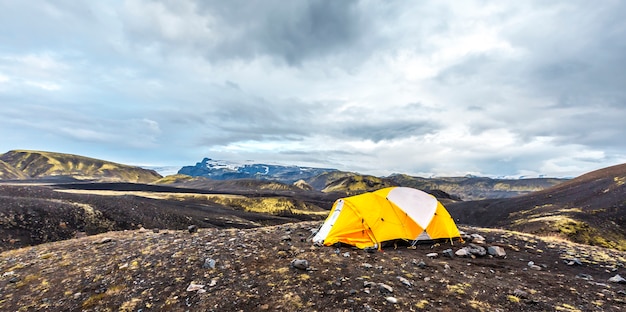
333, 180
59, 167
224, 170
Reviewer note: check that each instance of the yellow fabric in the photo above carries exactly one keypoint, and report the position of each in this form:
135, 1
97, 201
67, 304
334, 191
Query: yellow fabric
442, 225
368, 219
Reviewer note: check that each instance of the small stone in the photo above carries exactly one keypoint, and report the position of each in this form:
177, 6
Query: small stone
496, 251
346, 254
192, 229
368, 284
478, 239
155, 230
103, 241
520, 294
385, 288
300, 264
404, 281
432, 255
352, 291
367, 265
586, 277
463, 252
8, 273
285, 238
617, 279
421, 264
571, 262
391, 300
448, 253
535, 267
195, 287
208, 263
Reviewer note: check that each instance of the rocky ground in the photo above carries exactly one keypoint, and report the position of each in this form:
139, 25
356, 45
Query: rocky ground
277, 269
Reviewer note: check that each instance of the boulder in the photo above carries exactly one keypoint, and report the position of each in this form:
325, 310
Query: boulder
476, 250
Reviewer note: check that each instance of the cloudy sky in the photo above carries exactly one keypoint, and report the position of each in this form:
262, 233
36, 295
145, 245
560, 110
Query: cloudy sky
495, 88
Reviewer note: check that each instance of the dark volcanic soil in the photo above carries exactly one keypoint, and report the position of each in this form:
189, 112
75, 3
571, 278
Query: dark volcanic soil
35, 214
249, 270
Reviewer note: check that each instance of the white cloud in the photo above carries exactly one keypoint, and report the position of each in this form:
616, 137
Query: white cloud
435, 87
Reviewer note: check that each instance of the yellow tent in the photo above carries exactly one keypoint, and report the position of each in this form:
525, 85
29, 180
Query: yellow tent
368, 219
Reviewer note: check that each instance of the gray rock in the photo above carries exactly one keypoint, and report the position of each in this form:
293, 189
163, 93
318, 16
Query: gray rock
520, 294
432, 255
448, 253
367, 265
478, 239
463, 252
617, 279
476, 250
285, 238
196, 287
384, 288
571, 262
208, 263
404, 281
391, 300
496, 251
300, 264
192, 228
586, 277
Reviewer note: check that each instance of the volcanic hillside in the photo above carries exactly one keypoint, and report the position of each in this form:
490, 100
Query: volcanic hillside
8, 172
38, 164
590, 209
278, 269
35, 214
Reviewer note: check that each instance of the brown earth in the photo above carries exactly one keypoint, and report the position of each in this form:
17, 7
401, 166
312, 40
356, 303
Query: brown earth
249, 270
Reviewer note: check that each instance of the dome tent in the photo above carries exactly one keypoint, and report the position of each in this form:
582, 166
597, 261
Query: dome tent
392, 213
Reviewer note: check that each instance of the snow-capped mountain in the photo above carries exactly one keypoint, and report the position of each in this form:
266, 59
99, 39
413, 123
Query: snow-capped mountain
226, 170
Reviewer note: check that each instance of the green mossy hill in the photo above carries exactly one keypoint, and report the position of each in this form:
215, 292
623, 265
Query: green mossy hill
477, 188
356, 184
38, 164
175, 178
8, 172
323, 180
301, 184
